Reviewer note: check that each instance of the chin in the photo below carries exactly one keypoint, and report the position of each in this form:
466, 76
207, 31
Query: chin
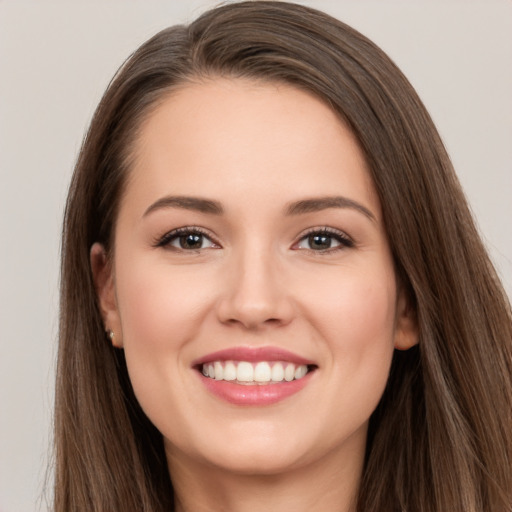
249, 449
256, 463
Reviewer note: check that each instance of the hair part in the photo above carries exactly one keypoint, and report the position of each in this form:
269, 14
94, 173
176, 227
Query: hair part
441, 437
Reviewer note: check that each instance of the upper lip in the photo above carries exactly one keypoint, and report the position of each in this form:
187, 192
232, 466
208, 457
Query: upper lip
253, 354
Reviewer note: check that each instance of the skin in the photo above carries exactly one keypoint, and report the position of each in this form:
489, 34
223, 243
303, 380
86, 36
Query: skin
256, 281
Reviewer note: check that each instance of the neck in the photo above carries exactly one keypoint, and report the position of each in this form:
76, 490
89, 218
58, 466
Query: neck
325, 486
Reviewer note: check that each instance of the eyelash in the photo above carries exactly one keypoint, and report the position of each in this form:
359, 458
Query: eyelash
175, 234
344, 241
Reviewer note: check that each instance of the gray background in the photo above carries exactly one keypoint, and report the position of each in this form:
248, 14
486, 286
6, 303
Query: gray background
56, 59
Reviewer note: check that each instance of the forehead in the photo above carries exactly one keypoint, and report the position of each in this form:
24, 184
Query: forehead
236, 137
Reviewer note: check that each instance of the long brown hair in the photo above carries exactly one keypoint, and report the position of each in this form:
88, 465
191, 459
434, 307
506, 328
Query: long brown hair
441, 437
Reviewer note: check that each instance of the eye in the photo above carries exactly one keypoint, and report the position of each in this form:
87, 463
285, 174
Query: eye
186, 239
323, 240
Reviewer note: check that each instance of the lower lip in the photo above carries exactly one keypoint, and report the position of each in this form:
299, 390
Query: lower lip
254, 394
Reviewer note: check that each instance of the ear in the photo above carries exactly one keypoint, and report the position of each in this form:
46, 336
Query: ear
406, 324
103, 276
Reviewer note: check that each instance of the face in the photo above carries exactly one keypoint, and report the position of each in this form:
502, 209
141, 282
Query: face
252, 286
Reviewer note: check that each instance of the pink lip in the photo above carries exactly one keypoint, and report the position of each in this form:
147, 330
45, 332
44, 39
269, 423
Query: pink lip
253, 394
266, 394
251, 355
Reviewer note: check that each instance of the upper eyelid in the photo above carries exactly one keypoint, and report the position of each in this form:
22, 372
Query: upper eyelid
345, 241
327, 230
161, 240
173, 233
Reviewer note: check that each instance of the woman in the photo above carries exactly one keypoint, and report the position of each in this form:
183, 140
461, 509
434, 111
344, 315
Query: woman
299, 311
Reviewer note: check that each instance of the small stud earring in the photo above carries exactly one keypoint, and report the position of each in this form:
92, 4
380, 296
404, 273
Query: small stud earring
111, 335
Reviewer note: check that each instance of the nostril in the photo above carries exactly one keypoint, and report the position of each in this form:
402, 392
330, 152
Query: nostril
253, 301
253, 321
273, 321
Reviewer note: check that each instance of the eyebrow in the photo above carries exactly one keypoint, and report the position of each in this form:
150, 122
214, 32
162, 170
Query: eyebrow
197, 204
323, 203
296, 208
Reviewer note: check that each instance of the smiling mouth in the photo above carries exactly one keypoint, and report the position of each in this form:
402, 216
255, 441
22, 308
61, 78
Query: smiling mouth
255, 373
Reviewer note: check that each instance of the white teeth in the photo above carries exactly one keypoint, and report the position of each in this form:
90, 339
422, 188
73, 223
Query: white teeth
289, 372
229, 371
299, 372
244, 372
262, 372
277, 372
219, 371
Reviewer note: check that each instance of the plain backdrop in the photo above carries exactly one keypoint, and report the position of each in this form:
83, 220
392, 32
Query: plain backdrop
56, 59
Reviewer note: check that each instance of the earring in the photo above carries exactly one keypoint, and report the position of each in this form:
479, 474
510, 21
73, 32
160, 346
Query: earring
111, 334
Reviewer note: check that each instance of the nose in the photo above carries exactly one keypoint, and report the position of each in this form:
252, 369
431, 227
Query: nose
255, 294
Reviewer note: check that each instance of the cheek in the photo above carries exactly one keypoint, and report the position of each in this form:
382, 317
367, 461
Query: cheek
357, 308
355, 321
147, 309
369, 312
161, 310
158, 303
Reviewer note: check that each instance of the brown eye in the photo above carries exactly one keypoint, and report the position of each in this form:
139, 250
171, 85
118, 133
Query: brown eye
320, 242
190, 241
186, 239
324, 241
